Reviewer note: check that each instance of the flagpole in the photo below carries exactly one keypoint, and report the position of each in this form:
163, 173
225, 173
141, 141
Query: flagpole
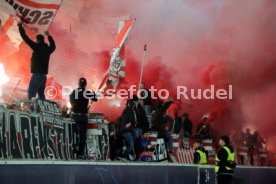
143, 63
56, 15
14, 90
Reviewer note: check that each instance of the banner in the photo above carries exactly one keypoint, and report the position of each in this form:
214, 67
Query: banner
47, 135
50, 113
97, 138
36, 14
24, 135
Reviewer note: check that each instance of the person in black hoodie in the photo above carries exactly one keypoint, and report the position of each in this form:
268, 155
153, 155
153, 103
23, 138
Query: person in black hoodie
225, 161
39, 62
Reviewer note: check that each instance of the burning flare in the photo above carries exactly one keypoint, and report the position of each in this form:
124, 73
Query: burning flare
3, 77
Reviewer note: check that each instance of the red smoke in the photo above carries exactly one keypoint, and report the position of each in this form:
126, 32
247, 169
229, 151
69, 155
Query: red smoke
192, 43
162, 78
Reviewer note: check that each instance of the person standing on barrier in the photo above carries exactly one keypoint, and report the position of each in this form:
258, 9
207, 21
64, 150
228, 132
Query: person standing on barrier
39, 62
79, 100
200, 155
225, 161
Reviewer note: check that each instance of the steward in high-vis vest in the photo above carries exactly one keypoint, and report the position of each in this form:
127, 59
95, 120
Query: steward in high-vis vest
225, 161
200, 155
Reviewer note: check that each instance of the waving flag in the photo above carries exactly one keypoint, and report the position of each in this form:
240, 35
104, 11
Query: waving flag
37, 14
117, 62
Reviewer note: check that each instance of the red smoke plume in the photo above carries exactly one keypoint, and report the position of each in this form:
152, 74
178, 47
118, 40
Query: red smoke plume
192, 43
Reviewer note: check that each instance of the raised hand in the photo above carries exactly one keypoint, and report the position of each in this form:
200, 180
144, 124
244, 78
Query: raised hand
128, 125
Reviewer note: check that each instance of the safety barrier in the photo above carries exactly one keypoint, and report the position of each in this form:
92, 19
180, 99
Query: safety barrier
70, 172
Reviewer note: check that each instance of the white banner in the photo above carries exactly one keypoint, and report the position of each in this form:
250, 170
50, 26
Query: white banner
36, 14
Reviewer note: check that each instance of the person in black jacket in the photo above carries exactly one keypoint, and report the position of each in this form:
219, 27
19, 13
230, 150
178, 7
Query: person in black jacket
176, 124
159, 121
203, 129
128, 123
79, 100
115, 141
187, 125
225, 161
146, 99
39, 62
142, 120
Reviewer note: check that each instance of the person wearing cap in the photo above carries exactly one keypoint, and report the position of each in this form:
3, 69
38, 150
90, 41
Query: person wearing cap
200, 155
225, 161
79, 100
39, 61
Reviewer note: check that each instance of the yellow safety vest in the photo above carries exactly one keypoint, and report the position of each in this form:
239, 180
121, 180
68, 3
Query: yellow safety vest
203, 157
230, 159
